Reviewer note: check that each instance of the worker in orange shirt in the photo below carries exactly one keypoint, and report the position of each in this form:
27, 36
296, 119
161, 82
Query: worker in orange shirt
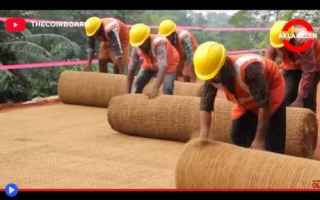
256, 87
114, 43
300, 70
186, 43
155, 56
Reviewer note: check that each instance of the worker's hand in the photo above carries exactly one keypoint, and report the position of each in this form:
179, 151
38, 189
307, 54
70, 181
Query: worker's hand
204, 140
87, 68
201, 141
118, 57
257, 144
154, 92
204, 137
297, 103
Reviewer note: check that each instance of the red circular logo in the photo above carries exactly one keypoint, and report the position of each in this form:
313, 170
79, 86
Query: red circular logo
305, 45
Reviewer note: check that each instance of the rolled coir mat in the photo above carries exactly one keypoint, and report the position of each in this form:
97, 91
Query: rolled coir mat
90, 88
217, 165
165, 117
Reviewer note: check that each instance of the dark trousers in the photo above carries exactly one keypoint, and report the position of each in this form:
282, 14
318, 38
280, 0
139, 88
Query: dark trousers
292, 79
244, 130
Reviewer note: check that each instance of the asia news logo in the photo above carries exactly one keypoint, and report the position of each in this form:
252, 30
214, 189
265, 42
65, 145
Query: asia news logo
15, 24
301, 31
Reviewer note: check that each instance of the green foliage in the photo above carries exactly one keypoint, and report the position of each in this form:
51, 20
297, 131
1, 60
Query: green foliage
242, 19
288, 15
26, 51
60, 47
12, 88
5, 36
25, 84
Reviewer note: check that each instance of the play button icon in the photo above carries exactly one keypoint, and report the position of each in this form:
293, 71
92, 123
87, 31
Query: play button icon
11, 190
15, 24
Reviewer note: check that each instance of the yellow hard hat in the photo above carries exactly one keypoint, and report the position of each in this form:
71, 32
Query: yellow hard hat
275, 31
138, 34
167, 27
208, 59
92, 25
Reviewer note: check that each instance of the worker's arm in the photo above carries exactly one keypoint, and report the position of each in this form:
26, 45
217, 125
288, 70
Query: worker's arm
259, 90
207, 99
112, 32
134, 63
188, 52
308, 65
161, 56
305, 86
91, 52
263, 122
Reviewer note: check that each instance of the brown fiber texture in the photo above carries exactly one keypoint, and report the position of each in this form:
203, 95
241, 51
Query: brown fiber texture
96, 89
71, 146
187, 89
177, 118
90, 88
165, 117
301, 126
222, 165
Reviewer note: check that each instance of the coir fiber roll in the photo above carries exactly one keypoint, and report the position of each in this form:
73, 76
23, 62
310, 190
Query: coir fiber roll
165, 117
301, 128
90, 88
221, 165
187, 89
